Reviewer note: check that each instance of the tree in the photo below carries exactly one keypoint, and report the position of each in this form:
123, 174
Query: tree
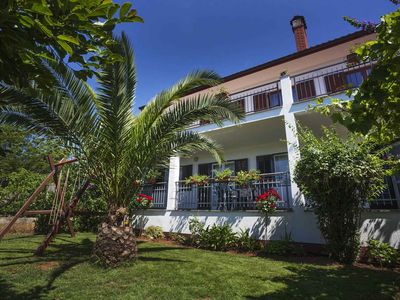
79, 32
115, 147
337, 176
375, 110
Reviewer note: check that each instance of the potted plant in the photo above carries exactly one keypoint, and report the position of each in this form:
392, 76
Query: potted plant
138, 205
244, 178
266, 204
223, 176
152, 176
197, 179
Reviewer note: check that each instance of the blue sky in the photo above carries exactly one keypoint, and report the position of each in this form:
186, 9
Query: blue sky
227, 36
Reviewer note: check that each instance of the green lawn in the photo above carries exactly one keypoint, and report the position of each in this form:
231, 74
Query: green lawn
165, 271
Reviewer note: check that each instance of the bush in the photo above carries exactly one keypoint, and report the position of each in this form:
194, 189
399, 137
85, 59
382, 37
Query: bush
279, 247
217, 237
244, 242
337, 176
382, 254
154, 232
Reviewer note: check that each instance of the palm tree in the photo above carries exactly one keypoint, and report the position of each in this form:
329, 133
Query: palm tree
115, 146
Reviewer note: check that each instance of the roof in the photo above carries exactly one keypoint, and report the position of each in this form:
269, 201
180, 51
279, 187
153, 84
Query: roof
293, 56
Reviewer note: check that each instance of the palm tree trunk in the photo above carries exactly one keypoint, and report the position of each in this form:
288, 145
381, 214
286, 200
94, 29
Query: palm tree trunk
116, 241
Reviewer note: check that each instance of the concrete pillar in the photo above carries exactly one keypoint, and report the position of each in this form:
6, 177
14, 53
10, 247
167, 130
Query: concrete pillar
291, 136
173, 177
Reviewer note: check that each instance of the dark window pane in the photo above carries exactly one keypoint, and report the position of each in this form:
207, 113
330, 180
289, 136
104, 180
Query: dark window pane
205, 169
265, 163
241, 165
185, 172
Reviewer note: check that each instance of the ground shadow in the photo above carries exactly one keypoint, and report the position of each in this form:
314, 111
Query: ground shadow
63, 256
311, 282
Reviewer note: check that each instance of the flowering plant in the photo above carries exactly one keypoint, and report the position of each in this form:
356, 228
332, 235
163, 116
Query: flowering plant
141, 202
197, 179
266, 202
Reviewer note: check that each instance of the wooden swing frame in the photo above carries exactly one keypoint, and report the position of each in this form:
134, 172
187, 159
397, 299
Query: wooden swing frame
66, 209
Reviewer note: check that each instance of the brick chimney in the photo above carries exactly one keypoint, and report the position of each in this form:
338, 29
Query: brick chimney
299, 29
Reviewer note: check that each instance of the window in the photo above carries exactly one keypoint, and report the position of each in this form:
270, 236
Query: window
354, 79
273, 163
265, 163
241, 165
241, 104
185, 172
334, 83
205, 169
260, 101
274, 99
305, 89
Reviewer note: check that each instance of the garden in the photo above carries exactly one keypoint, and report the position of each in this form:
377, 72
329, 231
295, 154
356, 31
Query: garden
80, 159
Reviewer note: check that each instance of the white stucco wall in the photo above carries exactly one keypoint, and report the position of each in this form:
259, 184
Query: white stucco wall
301, 224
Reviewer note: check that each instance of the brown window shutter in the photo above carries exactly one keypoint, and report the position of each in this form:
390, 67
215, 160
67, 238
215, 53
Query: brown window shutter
305, 90
260, 101
334, 82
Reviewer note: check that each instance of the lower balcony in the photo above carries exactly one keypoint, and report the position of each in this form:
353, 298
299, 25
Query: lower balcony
159, 193
229, 196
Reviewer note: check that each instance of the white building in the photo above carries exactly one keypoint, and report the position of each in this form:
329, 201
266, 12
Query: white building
274, 96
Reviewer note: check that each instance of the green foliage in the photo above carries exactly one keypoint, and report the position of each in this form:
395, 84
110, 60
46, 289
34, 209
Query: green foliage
154, 232
116, 147
18, 187
224, 175
220, 237
383, 254
337, 176
197, 179
23, 149
279, 247
244, 242
375, 110
244, 178
77, 31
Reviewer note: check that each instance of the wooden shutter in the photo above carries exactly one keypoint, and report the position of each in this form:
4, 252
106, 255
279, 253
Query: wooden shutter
305, 90
334, 83
260, 101
241, 104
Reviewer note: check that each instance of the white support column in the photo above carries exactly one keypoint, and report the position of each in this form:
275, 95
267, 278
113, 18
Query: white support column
173, 177
291, 136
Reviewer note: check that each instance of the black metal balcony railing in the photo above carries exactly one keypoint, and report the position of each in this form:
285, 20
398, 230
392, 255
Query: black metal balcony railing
227, 196
329, 80
159, 193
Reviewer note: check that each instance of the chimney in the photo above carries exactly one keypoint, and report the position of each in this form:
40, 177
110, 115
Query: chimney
299, 29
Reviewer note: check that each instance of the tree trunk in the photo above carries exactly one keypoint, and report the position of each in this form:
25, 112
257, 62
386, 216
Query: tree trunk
115, 242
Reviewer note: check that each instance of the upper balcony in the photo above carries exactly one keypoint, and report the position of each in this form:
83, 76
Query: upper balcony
266, 101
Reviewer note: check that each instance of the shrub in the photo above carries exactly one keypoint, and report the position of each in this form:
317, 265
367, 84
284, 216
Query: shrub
337, 176
154, 232
382, 254
279, 247
217, 237
244, 242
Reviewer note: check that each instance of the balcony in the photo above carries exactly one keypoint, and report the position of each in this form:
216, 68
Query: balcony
228, 196
159, 193
327, 81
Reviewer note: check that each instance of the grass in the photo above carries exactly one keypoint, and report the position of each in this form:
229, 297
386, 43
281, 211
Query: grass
166, 271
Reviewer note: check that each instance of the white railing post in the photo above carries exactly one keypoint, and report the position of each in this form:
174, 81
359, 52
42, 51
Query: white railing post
173, 178
291, 136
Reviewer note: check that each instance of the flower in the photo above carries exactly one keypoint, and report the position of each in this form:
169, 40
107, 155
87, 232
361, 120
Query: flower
266, 202
141, 201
